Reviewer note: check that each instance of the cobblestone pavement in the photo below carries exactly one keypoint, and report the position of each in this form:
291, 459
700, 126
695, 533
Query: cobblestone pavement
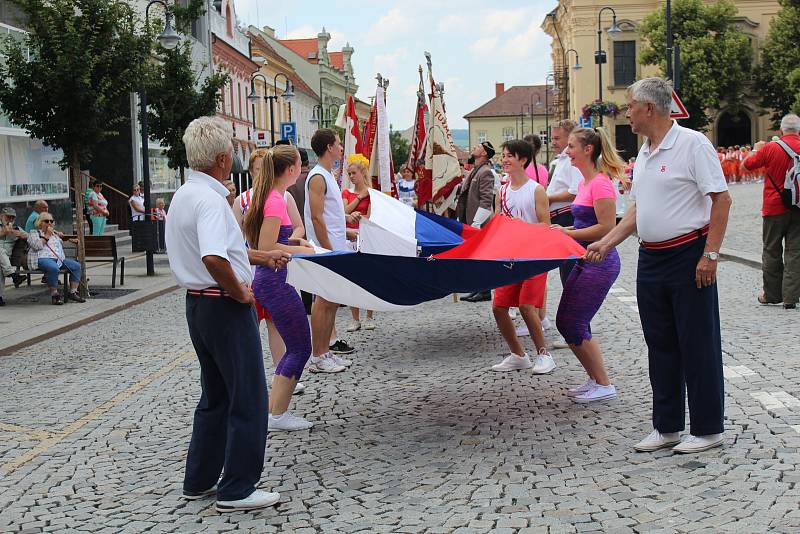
417, 437
744, 225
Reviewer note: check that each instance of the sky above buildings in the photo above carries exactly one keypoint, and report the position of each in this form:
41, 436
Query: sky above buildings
472, 44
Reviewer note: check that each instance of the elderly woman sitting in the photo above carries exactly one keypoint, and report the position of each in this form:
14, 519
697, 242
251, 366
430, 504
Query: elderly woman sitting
46, 253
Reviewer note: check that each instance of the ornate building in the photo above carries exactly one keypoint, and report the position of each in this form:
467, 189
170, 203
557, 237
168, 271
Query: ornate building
574, 25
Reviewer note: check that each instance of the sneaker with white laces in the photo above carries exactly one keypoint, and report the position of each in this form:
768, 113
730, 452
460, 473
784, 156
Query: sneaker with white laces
341, 361
195, 495
369, 324
656, 440
692, 444
583, 388
547, 324
298, 388
512, 362
354, 326
544, 363
522, 331
324, 364
340, 346
257, 499
287, 422
597, 393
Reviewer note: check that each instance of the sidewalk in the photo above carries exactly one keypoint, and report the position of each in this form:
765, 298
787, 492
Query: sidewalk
29, 317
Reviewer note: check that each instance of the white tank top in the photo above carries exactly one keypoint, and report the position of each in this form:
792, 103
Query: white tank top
332, 213
520, 203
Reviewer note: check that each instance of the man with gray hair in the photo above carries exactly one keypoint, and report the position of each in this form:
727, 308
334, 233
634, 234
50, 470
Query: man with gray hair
680, 211
208, 257
780, 255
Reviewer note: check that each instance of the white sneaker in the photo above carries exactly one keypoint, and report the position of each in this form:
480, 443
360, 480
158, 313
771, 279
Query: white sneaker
692, 444
656, 440
512, 312
512, 362
257, 499
355, 326
338, 360
547, 324
544, 363
324, 364
523, 331
287, 422
583, 388
298, 388
369, 324
597, 393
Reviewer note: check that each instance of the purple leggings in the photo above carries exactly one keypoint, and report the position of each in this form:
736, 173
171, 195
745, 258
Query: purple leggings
288, 313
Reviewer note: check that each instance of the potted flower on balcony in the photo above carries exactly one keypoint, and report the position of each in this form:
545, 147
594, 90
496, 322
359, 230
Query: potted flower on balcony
599, 108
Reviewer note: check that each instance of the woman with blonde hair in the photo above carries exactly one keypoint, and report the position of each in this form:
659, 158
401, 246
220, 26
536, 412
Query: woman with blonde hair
586, 287
356, 202
267, 227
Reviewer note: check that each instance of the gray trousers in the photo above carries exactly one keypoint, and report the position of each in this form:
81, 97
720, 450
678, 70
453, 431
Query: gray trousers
781, 257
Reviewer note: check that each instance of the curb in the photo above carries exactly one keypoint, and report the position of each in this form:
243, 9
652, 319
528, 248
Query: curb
743, 258
16, 342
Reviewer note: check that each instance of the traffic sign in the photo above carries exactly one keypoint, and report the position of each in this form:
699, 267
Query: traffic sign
678, 110
585, 123
261, 140
289, 132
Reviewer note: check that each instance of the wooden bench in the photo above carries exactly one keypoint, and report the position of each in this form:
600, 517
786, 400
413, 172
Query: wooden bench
19, 259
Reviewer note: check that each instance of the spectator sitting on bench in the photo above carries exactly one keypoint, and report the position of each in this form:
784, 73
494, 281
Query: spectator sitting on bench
46, 253
9, 234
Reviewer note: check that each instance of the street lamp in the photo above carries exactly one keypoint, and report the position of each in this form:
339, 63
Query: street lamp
323, 115
168, 39
565, 84
287, 94
600, 55
522, 119
549, 77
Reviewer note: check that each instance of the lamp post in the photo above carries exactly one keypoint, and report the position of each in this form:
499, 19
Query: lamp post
668, 26
576, 66
168, 39
288, 93
522, 119
550, 76
600, 56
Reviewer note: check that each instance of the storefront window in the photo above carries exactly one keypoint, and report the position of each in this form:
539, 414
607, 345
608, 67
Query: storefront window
29, 170
162, 178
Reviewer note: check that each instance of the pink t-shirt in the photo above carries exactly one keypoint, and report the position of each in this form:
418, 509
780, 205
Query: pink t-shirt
275, 206
599, 187
543, 174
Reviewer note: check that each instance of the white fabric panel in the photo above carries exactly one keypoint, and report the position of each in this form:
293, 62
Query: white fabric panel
392, 214
318, 280
375, 239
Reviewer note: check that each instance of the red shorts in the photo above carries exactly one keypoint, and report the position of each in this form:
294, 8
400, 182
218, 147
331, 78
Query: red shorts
262, 313
530, 291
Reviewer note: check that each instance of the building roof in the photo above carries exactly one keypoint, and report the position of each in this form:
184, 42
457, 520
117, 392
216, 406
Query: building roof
297, 81
308, 50
515, 100
337, 60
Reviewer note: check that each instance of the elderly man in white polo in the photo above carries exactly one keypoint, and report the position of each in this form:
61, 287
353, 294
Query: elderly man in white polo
680, 213
207, 254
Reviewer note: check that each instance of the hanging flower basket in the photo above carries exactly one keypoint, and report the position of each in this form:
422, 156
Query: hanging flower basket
598, 108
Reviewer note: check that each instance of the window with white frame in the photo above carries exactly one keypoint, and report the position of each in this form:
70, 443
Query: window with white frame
481, 137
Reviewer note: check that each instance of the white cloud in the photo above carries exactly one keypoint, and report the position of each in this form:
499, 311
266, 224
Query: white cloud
395, 24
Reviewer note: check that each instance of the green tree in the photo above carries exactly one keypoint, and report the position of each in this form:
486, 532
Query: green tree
779, 73
400, 148
64, 81
716, 58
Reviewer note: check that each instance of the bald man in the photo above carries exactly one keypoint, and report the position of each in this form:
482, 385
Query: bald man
38, 208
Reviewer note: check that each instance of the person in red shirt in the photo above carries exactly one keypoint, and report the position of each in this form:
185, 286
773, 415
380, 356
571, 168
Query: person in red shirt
781, 226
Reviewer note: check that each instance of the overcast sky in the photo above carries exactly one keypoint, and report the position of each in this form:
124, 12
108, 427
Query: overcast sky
473, 45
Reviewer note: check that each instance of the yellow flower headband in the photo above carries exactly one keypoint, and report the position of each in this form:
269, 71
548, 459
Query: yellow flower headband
359, 159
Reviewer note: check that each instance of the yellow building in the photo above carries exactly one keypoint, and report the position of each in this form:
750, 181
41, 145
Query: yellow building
573, 25
512, 114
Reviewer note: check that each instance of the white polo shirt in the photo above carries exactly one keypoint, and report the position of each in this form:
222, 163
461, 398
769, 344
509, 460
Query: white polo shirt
672, 184
565, 177
200, 224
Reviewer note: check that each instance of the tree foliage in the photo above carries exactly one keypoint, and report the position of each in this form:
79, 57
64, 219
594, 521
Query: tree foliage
716, 58
400, 148
779, 73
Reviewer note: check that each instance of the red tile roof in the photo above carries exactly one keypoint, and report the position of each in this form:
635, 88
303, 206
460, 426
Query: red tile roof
515, 100
304, 47
337, 60
297, 82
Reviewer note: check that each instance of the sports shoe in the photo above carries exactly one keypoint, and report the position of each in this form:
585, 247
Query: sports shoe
512, 362
656, 440
195, 495
287, 422
547, 324
597, 393
340, 346
522, 331
544, 363
341, 361
57, 299
692, 444
354, 327
583, 388
324, 364
369, 324
257, 499
298, 388
74, 297
17, 279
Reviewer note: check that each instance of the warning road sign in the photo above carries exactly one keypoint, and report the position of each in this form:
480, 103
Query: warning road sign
678, 110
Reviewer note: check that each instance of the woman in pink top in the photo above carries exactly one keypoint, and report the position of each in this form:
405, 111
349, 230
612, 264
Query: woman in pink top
536, 171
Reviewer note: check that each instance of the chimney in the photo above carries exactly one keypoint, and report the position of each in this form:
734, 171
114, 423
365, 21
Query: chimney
499, 89
269, 31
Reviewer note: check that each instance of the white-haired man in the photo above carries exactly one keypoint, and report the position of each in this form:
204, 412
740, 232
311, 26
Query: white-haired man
680, 212
781, 224
207, 254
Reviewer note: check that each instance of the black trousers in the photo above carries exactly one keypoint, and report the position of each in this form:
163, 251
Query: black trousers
230, 421
565, 220
682, 330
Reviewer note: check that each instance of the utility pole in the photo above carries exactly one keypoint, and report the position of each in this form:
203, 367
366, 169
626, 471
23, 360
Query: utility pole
669, 40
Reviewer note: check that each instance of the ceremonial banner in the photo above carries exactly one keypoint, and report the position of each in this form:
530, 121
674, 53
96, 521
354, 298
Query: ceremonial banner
417, 152
381, 161
352, 138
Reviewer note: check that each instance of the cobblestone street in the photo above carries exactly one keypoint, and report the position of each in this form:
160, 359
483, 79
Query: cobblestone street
418, 437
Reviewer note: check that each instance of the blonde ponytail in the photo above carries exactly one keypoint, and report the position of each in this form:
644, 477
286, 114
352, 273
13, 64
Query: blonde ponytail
604, 156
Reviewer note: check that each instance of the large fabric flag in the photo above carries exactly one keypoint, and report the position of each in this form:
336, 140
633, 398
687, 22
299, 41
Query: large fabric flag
441, 160
417, 152
352, 138
506, 251
380, 159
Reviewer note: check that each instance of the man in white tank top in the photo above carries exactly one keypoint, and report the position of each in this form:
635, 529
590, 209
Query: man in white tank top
325, 223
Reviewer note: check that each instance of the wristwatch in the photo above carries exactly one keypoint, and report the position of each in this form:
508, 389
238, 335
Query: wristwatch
713, 256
